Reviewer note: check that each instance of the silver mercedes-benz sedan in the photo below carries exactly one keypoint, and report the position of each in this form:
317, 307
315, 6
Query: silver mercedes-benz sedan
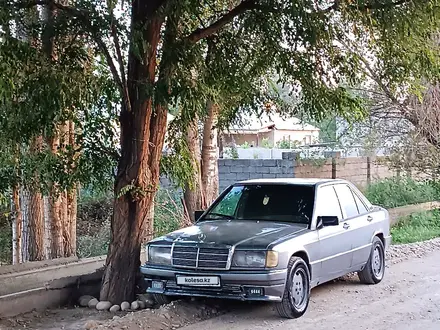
272, 240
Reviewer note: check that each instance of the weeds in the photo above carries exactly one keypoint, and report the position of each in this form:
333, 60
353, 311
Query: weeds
396, 192
94, 217
417, 227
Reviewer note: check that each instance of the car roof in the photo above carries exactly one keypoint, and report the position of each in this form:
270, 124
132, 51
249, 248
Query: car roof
293, 181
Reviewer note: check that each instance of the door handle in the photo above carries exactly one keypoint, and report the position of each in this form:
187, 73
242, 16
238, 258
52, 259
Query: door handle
346, 226
370, 218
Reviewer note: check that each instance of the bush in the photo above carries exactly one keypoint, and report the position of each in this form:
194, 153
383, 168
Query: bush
94, 216
417, 227
396, 192
5, 243
96, 244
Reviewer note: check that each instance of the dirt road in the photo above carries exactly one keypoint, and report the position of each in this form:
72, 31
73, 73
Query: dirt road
408, 298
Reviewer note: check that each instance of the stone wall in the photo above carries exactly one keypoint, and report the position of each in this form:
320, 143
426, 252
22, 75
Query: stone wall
233, 170
359, 170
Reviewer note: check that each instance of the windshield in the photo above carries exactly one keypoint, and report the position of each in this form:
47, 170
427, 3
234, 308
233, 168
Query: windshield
287, 203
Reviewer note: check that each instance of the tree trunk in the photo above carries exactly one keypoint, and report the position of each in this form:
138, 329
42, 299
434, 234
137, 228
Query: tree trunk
36, 227
142, 136
25, 197
193, 195
35, 212
209, 155
72, 196
47, 243
17, 226
55, 200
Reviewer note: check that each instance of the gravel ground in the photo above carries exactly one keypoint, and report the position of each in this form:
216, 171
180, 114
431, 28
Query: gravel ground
398, 253
404, 262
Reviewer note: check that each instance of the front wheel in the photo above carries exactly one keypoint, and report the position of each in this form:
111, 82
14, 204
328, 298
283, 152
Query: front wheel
374, 270
297, 291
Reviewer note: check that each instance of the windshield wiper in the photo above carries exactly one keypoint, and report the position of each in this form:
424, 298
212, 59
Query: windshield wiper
221, 215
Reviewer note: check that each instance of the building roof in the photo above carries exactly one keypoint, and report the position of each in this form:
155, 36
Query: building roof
267, 121
294, 181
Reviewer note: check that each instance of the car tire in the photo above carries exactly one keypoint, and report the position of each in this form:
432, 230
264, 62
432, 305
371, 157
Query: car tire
297, 288
161, 299
374, 270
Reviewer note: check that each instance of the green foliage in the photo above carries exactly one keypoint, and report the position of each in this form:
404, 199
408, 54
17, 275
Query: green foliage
265, 143
245, 145
168, 211
232, 152
417, 227
94, 214
396, 192
94, 245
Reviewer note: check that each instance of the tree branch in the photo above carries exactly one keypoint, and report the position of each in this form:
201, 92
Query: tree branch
124, 85
370, 6
85, 17
199, 34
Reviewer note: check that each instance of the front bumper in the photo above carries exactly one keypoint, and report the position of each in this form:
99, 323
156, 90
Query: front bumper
234, 284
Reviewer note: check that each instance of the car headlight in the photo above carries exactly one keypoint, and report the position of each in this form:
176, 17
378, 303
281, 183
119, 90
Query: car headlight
159, 255
249, 259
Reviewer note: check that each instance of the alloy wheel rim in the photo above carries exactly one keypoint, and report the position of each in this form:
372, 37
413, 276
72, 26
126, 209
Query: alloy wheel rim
377, 262
298, 290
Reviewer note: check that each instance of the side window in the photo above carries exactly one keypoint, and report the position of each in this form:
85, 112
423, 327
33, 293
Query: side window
361, 207
328, 204
346, 199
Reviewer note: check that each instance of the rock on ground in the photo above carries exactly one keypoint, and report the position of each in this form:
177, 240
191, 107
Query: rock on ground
90, 325
103, 305
83, 301
115, 308
125, 306
93, 302
134, 305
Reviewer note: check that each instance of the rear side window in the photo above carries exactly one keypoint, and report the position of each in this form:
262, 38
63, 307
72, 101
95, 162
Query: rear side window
328, 204
346, 200
361, 207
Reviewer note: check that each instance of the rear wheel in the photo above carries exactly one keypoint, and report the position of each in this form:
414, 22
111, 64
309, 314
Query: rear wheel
374, 270
297, 291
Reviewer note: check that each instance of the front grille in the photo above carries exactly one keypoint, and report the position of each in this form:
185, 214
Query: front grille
203, 258
225, 288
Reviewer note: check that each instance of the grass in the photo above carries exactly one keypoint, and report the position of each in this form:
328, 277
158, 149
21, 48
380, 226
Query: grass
396, 192
417, 227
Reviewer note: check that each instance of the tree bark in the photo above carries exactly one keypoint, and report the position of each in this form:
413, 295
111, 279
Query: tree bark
72, 195
142, 136
47, 242
25, 197
36, 217
210, 154
193, 195
17, 226
36, 227
55, 202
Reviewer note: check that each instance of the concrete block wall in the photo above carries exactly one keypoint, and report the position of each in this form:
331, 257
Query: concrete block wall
311, 168
354, 169
234, 170
359, 170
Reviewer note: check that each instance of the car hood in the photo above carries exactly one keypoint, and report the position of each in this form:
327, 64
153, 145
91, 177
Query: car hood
241, 233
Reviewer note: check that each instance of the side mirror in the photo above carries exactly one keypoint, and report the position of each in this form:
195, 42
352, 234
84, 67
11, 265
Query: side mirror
326, 221
198, 214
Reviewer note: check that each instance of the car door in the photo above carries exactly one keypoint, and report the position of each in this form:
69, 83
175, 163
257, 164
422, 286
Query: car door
368, 225
334, 245
356, 222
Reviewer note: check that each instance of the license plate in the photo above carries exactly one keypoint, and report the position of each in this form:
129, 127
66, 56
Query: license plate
198, 280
